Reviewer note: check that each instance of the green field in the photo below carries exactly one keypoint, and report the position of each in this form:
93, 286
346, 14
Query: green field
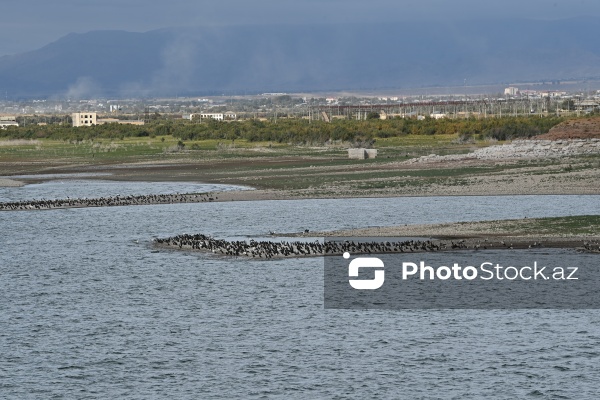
290, 155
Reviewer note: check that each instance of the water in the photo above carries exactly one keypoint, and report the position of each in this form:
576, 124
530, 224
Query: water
89, 311
80, 188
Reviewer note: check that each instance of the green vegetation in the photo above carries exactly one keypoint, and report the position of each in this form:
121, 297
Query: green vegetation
291, 154
584, 225
298, 132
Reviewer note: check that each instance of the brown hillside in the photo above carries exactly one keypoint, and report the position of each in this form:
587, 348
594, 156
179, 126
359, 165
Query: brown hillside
584, 128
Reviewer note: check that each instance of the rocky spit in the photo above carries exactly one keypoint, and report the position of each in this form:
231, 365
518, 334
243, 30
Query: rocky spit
267, 249
273, 249
522, 149
109, 201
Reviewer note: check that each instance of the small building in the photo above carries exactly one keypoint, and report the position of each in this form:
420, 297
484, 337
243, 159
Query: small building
5, 122
84, 119
587, 105
219, 116
511, 91
361, 153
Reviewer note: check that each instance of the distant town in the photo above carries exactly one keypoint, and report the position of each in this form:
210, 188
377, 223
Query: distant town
272, 106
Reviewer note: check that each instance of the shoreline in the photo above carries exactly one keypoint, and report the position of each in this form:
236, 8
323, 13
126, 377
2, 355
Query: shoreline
520, 167
238, 195
541, 228
364, 180
8, 182
266, 249
476, 235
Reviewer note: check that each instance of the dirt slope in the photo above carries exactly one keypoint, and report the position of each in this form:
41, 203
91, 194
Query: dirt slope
585, 128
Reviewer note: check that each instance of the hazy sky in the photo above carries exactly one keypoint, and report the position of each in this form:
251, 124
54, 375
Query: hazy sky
29, 24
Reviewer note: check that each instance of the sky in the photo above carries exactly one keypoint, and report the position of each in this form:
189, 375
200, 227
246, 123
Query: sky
27, 25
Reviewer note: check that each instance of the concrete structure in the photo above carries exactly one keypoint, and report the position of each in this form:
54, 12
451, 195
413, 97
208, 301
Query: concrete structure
438, 115
587, 104
511, 91
362, 154
371, 153
219, 116
91, 118
5, 122
553, 95
84, 119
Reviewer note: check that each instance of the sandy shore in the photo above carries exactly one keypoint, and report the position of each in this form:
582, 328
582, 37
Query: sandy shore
483, 235
478, 229
4, 182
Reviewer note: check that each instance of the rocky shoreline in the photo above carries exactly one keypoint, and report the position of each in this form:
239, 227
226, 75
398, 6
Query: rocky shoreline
109, 201
521, 149
267, 249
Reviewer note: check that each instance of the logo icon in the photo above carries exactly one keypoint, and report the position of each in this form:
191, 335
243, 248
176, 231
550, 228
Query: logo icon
365, 262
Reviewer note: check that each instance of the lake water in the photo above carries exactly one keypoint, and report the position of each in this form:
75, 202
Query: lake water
88, 310
80, 188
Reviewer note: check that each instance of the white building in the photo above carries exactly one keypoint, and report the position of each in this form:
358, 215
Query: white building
84, 119
219, 116
511, 91
5, 122
553, 95
437, 115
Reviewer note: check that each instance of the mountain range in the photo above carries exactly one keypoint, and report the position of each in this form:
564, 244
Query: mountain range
277, 58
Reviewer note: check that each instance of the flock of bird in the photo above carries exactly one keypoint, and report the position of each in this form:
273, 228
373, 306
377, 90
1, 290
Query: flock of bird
591, 246
267, 249
273, 249
108, 201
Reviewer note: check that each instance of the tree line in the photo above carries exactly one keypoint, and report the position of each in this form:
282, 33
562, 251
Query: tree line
297, 132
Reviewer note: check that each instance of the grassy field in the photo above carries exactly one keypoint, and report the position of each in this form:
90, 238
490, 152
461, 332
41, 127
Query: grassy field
325, 170
165, 148
303, 171
136, 149
584, 225
553, 227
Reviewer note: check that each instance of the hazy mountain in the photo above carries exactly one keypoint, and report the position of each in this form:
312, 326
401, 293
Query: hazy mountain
306, 57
